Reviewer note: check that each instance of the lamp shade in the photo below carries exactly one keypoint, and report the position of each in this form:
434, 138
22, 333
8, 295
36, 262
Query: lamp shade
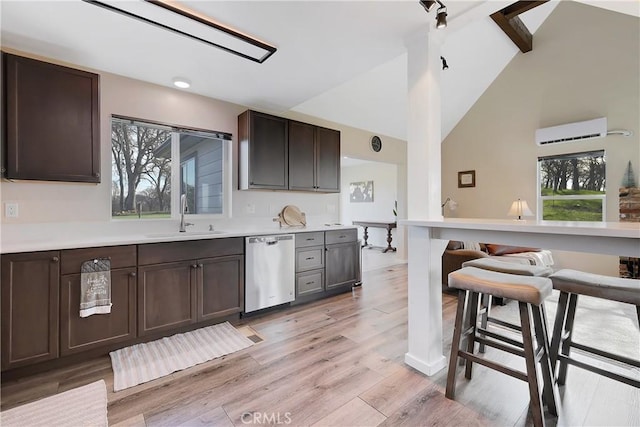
520, 208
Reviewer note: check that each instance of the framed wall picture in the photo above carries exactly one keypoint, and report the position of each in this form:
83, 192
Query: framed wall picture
466, 179
361, 192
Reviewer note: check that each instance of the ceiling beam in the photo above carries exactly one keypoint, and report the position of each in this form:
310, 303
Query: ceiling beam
517, 8
508, 20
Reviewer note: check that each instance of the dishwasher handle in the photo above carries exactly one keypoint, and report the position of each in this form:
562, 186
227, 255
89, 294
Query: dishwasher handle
269, 240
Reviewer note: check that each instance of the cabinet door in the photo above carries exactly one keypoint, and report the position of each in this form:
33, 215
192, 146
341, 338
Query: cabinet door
30, 285
327, 160
52, 122
342, 264
83, 333
220, 287
263, 139
166, 296
301, 156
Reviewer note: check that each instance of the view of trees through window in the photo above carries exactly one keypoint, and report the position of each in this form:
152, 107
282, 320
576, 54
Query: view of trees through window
572, 186
142, 170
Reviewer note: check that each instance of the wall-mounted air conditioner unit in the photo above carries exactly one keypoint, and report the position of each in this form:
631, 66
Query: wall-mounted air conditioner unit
596, 128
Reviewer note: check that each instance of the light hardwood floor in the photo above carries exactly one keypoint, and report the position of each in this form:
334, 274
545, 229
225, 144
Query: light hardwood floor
336, 362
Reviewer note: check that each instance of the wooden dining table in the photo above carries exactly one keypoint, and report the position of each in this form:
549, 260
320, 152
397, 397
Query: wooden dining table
378, 224
427, 240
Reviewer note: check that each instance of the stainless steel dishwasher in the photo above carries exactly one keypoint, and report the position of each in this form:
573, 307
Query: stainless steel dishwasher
269, 271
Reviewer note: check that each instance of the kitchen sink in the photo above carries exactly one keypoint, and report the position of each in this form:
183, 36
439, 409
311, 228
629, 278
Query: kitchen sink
185, 234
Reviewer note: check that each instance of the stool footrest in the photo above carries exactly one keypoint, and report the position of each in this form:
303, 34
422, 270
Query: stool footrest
505, 324
624, 379
493, 365
482, 331
500, 346
606, 354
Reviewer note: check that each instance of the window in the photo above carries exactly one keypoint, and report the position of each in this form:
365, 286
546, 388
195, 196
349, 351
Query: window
572, 187
148, 184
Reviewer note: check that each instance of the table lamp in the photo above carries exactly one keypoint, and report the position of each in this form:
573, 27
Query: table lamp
520, 208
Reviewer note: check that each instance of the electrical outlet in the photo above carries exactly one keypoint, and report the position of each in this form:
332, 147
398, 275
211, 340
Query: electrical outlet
251, 208
11, 210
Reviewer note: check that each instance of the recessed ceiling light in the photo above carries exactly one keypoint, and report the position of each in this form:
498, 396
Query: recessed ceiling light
181, 82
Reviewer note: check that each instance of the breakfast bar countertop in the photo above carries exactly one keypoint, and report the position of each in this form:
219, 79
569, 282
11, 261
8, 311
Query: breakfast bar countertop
44, 237
613, 238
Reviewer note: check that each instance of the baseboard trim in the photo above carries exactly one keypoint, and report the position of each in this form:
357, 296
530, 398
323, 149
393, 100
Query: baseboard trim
425, 367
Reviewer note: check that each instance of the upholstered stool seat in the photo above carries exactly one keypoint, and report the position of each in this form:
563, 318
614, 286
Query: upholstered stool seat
509, 267
530, 292
502, 267
595, 285
572, 283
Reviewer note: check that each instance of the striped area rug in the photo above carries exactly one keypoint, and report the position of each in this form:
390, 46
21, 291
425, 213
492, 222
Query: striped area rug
145, 362
82, 406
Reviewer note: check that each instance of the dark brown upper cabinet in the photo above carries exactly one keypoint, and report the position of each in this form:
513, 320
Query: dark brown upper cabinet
263, 151
314, 158
302, 156
280, 154
52, 122
327, 165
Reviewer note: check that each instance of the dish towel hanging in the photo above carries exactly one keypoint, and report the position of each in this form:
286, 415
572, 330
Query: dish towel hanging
95, 287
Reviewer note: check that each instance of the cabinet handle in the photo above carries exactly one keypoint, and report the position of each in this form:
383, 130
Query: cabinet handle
132, 274
55, 259
97, 174
310, 258
309, 283
194, 266
310, 239
200, 265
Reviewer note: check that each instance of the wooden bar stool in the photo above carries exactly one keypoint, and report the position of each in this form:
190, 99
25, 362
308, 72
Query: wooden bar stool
530, 292
572, 283
510, 268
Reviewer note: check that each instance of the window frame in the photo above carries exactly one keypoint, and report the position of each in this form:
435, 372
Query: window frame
227, 168
541, 199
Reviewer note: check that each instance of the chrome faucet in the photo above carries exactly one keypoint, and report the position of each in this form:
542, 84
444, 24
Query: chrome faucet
183, 207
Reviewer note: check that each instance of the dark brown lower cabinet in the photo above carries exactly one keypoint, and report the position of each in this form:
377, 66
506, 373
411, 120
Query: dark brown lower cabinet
83, 333
166, 296
220, 287
175, 291
342, 264
30, 295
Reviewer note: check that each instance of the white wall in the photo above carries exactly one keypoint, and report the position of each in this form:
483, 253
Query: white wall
385, 187
591, 72
54, 202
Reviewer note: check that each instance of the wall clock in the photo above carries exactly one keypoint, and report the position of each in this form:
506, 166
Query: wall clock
376, 144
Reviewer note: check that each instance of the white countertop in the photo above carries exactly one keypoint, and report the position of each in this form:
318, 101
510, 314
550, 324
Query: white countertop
610, 238
607, 229
43, 237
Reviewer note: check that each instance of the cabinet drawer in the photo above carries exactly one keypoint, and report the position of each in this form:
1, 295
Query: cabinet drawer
309, 259
156, 253
309, 283
121, 257
341, 236
309, 239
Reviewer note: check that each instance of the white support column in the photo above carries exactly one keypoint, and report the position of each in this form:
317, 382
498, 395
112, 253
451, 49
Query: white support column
424, 133
424, 183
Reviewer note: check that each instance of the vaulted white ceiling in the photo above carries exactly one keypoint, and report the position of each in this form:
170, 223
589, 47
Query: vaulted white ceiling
343, 61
